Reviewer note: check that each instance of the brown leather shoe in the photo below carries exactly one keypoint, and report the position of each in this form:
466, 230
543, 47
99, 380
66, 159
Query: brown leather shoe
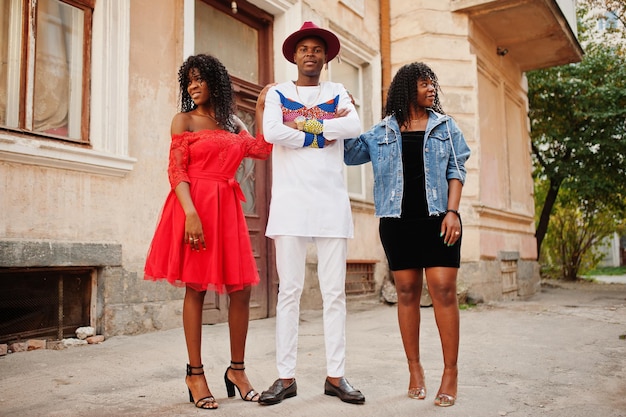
277, 392
346, 392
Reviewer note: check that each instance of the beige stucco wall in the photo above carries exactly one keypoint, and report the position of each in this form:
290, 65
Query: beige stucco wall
66, 206
486, 95
155, 56
358, 29
133, 305
109, 214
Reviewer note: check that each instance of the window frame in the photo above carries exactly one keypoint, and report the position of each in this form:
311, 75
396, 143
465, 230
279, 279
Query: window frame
28, 46
359, 170
107, 150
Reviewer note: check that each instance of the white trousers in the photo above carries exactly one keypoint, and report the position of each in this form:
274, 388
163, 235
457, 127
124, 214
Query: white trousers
331, 269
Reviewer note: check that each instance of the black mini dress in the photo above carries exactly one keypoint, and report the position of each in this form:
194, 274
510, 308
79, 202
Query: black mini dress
412, 240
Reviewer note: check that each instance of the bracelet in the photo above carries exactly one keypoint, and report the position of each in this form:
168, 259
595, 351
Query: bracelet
313, 126
454, 211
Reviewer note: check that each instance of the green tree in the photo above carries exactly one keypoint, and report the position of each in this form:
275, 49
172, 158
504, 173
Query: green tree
578, 130
576, 230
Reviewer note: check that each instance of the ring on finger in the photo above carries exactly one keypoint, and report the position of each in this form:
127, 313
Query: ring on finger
457, 233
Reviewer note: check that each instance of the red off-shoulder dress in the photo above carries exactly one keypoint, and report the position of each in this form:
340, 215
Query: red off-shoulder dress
208, 161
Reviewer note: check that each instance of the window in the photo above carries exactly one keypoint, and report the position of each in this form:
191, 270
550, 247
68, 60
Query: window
233, 41
350, 75
241, 41
44, 77
48, 42
608, 22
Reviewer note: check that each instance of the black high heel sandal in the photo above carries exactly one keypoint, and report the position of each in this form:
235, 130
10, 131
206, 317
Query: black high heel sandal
230, 385
208, 402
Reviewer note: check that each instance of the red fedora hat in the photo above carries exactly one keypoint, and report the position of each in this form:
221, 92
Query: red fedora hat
311, 29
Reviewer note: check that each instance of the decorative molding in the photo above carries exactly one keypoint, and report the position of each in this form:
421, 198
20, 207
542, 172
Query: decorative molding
60, 155
109, 77
274, 6
360, 206
357, 6
502, 215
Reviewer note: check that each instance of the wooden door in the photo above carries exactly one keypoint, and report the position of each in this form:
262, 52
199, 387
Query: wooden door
254, 177
242, 41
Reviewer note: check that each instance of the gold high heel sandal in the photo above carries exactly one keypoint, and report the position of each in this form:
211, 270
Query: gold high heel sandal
417, 393
208, 402
444, 400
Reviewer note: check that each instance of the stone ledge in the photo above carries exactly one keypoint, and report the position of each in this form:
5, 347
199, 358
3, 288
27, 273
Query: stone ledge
16, 253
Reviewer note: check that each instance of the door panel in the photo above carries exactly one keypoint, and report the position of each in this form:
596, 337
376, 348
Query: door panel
253, 176
242, 41
215, 308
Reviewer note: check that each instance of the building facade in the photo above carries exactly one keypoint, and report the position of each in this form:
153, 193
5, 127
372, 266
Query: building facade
88, 89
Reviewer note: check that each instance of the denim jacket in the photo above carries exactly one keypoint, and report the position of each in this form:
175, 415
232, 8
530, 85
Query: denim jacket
445, 153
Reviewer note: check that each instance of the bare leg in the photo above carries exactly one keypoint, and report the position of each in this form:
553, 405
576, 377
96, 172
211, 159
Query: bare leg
409, 288
442, 288
192, 325
238, 319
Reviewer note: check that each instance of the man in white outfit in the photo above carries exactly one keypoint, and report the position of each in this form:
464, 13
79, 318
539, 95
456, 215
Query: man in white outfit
307, 120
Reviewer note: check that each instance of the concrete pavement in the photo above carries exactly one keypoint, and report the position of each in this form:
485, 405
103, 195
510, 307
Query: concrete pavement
558, 354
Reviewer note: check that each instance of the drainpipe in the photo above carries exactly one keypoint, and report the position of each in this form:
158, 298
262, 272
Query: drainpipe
385, 48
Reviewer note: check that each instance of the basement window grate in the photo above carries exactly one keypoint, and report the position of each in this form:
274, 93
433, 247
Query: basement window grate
360, 277
43, 303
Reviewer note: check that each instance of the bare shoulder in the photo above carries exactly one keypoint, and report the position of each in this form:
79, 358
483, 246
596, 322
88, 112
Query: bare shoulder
181, 122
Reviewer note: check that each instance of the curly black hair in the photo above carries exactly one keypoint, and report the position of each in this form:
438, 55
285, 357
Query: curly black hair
402, 93
221, 95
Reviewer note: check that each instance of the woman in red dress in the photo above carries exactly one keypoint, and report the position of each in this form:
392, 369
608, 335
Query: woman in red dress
201, 241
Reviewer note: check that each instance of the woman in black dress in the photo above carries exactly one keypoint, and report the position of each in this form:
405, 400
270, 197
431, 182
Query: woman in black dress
418, 156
